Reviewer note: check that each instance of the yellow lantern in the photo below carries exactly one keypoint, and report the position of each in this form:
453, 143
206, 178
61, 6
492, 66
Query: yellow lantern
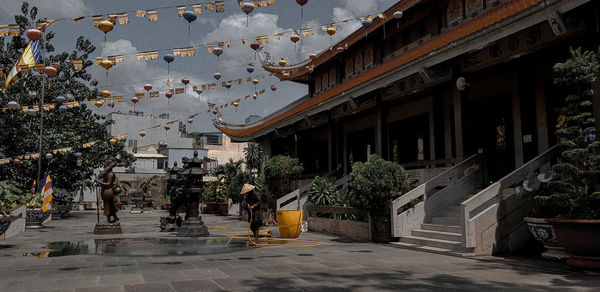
105, 93
99, 102
254, 81
112, 141
331, 30
105, 26
107, 64
282, 62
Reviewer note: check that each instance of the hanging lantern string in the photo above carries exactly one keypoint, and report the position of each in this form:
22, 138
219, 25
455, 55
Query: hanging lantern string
132, 11
248, 38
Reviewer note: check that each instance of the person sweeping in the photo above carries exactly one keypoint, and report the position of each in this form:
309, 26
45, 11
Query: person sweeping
253, 201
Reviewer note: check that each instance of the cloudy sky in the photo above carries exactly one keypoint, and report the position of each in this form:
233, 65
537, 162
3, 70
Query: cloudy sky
171, 31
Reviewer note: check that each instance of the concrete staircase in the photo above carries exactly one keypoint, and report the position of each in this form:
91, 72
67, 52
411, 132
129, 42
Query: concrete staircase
441, 233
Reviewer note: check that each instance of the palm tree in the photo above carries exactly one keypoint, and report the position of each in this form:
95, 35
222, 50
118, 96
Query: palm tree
148, 184
253, 154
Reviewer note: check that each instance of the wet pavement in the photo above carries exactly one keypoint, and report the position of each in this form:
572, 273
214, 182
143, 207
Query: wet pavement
67, 256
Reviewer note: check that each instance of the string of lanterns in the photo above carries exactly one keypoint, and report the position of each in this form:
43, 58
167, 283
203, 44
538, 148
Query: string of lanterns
19, 158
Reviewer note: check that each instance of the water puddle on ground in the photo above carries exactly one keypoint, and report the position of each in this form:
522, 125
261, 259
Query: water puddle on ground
142, 247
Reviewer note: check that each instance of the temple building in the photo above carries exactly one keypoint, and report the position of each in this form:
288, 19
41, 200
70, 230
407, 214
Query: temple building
430, 84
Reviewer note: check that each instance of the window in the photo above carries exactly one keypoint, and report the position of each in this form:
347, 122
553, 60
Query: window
132, 143
214, 140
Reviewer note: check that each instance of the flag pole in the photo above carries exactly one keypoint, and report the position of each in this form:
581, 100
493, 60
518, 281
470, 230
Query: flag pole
42, 49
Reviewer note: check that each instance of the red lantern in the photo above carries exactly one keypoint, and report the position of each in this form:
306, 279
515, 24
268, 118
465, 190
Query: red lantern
185, 81
169, 94
255, 46
167, 128
312, 56
50, 71
273, 88
255, 96
17, 161
148, 87
340, 49
142, 134
135, 100
295, 38
34, 34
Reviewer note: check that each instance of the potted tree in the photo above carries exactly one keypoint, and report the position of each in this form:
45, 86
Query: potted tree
10, 198
577, 187
375, 184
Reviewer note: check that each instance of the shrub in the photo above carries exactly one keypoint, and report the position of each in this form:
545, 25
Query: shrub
375, 184
323, 193
280, 171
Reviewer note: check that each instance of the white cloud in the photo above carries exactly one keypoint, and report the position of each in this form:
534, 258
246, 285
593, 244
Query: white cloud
361, 7
48, 8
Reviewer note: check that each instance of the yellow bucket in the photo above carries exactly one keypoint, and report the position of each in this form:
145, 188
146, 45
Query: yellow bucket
289, 223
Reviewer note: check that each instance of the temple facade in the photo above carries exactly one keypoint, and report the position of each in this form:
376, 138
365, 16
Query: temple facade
429, 88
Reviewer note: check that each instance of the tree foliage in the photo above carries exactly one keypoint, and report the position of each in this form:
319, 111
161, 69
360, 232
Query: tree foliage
323, 193
280, 171
232, 178
375, 184
71, 128
253, 153
577, 189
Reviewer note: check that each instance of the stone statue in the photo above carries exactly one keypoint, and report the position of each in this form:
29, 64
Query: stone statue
106, 181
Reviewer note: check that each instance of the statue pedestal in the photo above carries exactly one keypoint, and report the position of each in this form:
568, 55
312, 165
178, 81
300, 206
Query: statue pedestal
193, 227
108, 228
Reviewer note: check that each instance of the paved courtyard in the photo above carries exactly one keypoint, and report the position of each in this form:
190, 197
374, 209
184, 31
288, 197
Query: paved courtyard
337, 265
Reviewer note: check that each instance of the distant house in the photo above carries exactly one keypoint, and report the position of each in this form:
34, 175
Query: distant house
220, 147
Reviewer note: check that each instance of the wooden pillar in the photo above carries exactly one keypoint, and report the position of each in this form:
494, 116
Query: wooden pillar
345, 149
517, 129
431, 130
378, 127
458, 129
447, 127
540, 117
330, 146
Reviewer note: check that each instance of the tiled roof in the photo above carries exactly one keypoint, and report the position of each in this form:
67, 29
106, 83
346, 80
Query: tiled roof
493, 16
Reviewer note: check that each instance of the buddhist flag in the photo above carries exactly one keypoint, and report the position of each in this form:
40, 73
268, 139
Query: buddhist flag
47, 193
30, 57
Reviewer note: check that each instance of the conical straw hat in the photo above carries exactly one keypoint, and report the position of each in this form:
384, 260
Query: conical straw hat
246, 188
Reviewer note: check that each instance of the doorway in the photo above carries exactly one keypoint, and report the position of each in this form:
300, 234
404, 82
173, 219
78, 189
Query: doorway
489, 127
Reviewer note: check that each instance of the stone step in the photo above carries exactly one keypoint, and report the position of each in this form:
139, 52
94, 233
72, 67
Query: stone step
451, 213
441, 228
439, 243
454, 221
449, 236
430, 249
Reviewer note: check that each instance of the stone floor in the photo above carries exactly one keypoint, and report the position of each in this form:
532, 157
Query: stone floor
337, 265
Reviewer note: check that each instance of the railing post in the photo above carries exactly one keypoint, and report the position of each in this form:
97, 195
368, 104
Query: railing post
465, 225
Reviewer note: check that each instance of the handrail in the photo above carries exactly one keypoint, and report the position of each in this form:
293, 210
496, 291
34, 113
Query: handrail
454, 173
496, 189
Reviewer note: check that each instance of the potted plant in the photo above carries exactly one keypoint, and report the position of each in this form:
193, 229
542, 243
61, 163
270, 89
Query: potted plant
375, 184
539, 206
10, 198
62, 203
35, 215
577, 187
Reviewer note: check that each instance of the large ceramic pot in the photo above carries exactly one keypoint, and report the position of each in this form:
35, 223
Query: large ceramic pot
580, 239
382, 229
543, 232
62, 211
35, 217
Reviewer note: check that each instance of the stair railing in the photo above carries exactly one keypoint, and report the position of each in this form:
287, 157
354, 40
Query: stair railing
406, 219
481, 213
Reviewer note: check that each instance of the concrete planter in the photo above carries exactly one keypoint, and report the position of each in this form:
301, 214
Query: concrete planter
221, 208
543, 232
580, 239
